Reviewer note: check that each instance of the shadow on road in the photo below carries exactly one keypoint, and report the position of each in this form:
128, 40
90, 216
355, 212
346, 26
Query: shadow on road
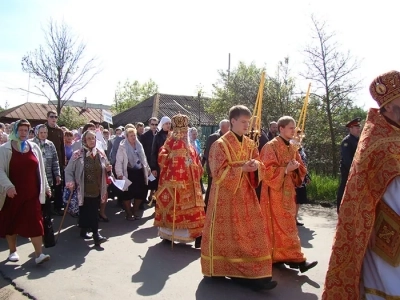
306, 235
71, 249
159, 263
289, 287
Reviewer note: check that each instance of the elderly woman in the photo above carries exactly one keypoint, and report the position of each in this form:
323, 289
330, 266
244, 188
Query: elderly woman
50, 159
23, 188
194, 141
131, 162
49, 153
87, 172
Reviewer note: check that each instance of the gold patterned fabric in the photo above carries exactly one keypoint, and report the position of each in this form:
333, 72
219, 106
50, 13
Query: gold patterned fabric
375, 164
385, 87
278, 199
235, 243
387, 234
180, 203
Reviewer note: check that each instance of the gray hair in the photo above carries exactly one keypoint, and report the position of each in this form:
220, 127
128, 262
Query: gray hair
223, 122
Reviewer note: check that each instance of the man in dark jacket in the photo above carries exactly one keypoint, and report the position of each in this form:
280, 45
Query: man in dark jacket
223, 128
56, 135
147, 141
164, 126
348, 148
273, 130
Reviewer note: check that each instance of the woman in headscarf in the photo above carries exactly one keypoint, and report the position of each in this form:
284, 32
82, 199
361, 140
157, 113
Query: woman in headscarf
87, 172
131, 162
50, 158
194, 141
163, 129
23, 188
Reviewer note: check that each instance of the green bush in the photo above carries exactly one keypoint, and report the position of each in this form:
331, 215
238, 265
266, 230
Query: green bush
322, 188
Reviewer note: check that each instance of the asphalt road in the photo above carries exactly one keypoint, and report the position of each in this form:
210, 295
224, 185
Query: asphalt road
136, 264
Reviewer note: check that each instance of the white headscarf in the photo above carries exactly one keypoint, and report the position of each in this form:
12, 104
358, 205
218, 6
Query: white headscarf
163, 120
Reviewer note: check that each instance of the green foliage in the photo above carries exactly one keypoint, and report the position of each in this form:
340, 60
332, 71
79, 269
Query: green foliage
241, 86
129, 94
70, 118
317, 141
279, 100
322, 188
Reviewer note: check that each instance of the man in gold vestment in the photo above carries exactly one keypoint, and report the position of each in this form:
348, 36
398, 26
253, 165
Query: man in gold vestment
235, 243
365, 260
284, 172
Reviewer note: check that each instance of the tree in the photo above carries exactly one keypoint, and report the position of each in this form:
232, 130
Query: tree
241, 87
71, 119
279, 100
131, 93
60, 65
331, 72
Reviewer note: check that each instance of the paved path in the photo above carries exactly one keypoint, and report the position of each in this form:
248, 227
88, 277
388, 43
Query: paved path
135, 264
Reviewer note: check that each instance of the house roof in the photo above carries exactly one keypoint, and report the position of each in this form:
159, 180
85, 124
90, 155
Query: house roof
160, 105
38, 112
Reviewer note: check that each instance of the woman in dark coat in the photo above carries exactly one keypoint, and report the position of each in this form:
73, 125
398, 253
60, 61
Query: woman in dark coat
164, 128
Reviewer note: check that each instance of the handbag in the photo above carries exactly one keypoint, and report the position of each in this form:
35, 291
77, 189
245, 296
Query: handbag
48, 237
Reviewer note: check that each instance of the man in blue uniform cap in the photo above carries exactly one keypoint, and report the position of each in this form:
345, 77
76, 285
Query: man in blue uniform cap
347, 149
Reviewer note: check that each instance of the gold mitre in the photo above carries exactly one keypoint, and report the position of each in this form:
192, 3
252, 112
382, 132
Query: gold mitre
180, 122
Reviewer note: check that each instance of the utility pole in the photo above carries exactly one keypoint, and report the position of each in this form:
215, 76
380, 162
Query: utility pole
199, 96
229, 66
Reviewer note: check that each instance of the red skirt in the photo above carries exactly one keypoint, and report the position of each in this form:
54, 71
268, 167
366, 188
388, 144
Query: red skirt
22, 214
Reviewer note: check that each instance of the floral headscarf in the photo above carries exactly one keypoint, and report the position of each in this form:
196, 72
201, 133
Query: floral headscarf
14, 136
37, 129
85, 146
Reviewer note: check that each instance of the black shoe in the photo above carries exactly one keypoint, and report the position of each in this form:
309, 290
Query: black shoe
197, 242
305, 266
98, 239
84, 234
256, 284
278, 264
299, 224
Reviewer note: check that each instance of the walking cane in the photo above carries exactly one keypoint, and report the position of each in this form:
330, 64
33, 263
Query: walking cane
65, 212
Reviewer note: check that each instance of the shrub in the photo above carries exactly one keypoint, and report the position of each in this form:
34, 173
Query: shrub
322, 188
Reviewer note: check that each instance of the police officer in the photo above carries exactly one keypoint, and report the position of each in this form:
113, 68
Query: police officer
347, 150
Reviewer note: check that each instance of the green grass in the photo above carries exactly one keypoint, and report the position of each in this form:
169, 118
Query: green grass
322, 188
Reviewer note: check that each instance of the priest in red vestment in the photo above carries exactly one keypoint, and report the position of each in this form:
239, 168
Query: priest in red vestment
180, 206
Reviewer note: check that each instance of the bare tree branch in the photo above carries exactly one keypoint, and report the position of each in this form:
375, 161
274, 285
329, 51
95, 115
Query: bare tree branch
60, 64
331, 72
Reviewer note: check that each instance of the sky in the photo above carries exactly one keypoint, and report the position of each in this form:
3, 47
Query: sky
181, 45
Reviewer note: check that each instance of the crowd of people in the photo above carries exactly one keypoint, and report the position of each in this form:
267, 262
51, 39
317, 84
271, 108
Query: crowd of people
245, 221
